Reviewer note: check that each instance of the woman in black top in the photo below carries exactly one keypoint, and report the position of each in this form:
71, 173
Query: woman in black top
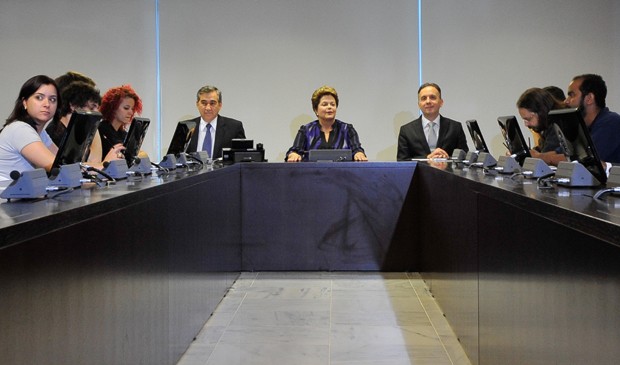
118, 106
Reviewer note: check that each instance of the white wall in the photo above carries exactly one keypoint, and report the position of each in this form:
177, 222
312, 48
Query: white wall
112, 41
485, 53
267, 56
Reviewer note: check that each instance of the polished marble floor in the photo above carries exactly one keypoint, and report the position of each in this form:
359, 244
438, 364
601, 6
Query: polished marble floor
331, 318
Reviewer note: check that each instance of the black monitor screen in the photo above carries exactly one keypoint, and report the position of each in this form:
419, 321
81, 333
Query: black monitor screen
476, 136
335, 155
578, 142
515, 142
78, 137
242, 144
135, 136
181, 137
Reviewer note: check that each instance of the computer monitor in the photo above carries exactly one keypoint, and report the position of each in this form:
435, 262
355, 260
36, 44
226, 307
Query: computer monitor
78, 137
242, 150
335, 155
181, 137
134, 138
476, 136
578, 142
515, 142
241, 144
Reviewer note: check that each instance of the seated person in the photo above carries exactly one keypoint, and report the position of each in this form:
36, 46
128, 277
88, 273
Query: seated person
557, 93
326, 132
70, 77
118, 106
77, 95
215, 132
588, 93
24, 143
432, 135
534, 106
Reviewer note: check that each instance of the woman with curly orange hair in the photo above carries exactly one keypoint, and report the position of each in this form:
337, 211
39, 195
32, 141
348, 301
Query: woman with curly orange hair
118, 106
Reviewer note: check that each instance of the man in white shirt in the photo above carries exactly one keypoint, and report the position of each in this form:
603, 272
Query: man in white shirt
431, 135
214, 131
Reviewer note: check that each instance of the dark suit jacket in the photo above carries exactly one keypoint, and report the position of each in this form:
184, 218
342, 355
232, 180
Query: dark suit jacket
412, 141
227, 129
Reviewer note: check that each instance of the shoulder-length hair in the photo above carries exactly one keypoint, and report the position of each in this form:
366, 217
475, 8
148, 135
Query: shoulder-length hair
541, 102
28, 89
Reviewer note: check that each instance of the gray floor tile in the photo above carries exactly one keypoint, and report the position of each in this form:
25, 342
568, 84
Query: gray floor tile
331, 318
269, 354
273, 335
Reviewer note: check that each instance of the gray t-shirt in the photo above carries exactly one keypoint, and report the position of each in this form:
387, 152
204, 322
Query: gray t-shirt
13, 138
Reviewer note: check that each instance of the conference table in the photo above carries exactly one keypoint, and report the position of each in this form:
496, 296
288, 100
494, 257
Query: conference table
130, 273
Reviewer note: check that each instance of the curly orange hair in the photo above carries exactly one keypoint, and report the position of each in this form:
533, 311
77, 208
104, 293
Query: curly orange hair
113, 97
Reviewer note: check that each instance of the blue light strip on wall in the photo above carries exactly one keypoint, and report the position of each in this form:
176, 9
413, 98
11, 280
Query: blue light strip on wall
420, 40
158, 86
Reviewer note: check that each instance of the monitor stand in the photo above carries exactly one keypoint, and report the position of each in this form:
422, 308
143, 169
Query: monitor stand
471, 157
614, 177
485, 160
117, 169
169, 162
29, 184
507, 165
533, 168
458, 155
574, 175
143, 167
69, 176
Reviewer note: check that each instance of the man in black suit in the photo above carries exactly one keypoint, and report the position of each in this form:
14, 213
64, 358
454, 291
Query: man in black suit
431, 135
214, 131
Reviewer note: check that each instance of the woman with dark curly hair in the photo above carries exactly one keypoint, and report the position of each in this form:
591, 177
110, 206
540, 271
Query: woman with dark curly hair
118, 106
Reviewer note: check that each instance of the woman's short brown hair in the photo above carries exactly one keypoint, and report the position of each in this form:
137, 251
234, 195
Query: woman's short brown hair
320, 92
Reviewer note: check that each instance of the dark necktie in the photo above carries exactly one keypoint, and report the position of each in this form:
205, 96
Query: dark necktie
207, 144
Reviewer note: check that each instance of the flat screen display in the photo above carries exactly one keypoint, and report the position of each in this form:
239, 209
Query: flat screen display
515, 142
78, 138
135, 137
577, 141
335, 155
181, 137
476, 136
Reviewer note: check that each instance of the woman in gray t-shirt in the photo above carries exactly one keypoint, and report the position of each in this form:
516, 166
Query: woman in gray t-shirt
24, 144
